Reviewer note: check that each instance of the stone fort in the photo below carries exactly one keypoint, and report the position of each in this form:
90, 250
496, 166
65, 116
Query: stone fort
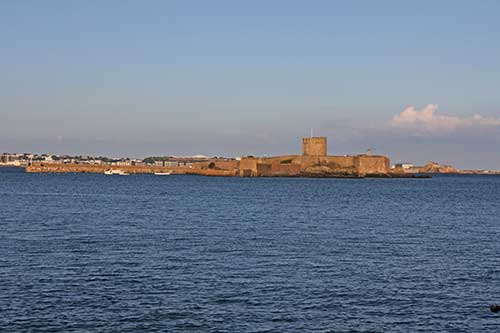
314, 162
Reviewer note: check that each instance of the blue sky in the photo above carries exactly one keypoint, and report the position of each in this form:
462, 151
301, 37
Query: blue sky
232, 78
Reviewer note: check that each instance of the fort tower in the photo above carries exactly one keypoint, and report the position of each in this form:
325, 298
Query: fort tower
314, 146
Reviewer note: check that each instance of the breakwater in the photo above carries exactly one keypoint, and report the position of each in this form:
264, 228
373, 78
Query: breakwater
131, 169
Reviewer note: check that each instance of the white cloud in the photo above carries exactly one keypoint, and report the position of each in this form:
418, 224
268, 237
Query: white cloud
427, 121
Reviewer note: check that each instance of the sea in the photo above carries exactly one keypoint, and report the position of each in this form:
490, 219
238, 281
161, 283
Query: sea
145, 253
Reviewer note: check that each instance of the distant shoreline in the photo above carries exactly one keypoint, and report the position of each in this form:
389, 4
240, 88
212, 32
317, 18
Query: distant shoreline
100, 169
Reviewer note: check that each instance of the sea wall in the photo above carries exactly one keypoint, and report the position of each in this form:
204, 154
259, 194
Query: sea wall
92, 168
372, 165
248, 166
278, 170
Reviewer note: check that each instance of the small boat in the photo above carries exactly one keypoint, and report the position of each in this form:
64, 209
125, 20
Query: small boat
115, 172
163, 173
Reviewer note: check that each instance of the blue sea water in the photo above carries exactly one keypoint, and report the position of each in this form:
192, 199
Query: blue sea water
143, 253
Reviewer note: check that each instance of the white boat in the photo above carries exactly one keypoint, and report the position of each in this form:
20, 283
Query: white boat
115, 172
163, 173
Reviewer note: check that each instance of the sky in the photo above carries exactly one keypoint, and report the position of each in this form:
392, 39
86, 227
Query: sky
416, 81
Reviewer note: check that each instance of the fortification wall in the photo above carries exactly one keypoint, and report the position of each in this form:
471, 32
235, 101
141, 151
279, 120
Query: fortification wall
342, 164
211, 172
333, 162
328, 165
264, 170
310, 161
277, 170
360, 165
270, 166
227, 165
340, 161
281, 170
372, 164
248, 166
217, 164
285, 159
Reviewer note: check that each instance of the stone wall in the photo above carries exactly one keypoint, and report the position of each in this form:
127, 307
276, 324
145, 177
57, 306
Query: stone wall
279, 165
282, 170
218, 164
264, 170
277, 170
372, 165
334, 162
248, 166
92, 168
343, 165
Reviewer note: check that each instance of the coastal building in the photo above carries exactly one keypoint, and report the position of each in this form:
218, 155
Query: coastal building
404, 166
11, 159
314, 146
137, 162
315, 162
